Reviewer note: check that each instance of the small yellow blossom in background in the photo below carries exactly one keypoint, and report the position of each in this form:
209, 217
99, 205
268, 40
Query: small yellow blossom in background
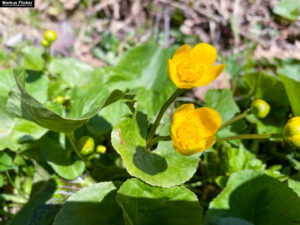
191, 68
291, 131
193, 130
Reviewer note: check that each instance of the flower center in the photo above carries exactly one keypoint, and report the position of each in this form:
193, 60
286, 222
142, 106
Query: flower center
189, 133
190, 71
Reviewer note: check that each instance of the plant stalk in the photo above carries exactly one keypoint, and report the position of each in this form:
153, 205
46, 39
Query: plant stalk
162, 112
72, 140
237, 118
250, 136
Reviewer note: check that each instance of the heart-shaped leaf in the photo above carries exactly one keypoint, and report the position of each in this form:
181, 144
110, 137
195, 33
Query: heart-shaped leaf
144, 68
15, 132
95, 204
161, 167
86, 103
148, 205
257, 198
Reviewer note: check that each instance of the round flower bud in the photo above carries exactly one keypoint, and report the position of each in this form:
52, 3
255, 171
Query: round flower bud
101, 149
50, 35
260, 108
291, 131
86, 145
59, 99
45, 43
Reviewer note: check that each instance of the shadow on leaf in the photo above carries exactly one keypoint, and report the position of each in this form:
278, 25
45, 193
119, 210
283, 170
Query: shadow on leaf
149, 162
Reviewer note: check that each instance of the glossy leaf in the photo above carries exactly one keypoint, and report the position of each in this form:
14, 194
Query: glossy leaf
85, 104
33, 58
64, 163
95, 204
148, 205
15, 132
256, 198
162, 166
223, 102
288, 9
70, 71
292, 87
38, 210
144, 68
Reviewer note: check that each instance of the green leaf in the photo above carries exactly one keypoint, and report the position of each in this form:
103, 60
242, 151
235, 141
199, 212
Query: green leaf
108, 118
37, 210
14, 132
86, 103
61, 160
1, 180
148, 205
33, 58
144, 68
223, 102
292, 87
161, 167
95, 204
233, 221
295, 185
288, 9
5, 161
70, 71
235, 159
268, 88
256, 198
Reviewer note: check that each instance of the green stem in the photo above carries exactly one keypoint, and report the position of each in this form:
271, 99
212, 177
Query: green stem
250, 136
157, 139
72, 140
20, 192
237, 118
162, 112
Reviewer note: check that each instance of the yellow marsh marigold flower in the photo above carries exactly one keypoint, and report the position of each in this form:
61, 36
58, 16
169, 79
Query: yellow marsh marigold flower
191, 68
291, 131
193, 130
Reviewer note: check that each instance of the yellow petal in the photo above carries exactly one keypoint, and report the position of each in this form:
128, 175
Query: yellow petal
181, 54
210, 141
204, 53
172, 73
212, 74
210, 118
180, 116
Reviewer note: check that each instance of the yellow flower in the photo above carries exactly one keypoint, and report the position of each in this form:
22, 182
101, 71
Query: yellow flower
191, 68
291, 131
193, 130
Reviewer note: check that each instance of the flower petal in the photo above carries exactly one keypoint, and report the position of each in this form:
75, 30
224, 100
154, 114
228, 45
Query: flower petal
204, 53
181, 54
210, 118
210, 141
172, 73
212, 74
180, 116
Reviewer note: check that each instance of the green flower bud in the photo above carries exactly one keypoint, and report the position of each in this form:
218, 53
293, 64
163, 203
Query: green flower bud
291, 131
260, 108
59, 99
50, 35
86, 145
45, 43
101, 149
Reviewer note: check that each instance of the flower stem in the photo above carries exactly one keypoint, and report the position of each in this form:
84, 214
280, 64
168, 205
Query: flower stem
157, 139
237, 118
72, 140
250, 136
161, 113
